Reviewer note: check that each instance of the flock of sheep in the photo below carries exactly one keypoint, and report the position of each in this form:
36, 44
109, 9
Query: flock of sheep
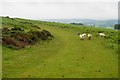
82, 36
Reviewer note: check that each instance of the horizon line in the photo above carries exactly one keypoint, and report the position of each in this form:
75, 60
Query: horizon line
55, 18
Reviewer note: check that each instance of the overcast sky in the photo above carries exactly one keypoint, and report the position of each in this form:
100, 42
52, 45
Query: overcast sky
61, 10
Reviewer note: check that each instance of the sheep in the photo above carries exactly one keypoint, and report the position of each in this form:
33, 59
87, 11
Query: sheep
101, 34
81, 36
89, 36
84, 34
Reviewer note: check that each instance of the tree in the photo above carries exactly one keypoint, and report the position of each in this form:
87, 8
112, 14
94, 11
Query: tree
77, 24
7, 17
117, 26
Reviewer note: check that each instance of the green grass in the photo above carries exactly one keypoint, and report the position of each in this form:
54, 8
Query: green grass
66, 56
0, 61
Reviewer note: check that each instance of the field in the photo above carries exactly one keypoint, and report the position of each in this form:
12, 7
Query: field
66, 56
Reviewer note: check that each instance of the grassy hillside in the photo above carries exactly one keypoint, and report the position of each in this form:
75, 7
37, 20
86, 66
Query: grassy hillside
66, 56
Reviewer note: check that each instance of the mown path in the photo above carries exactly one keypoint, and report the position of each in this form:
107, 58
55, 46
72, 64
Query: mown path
65, 56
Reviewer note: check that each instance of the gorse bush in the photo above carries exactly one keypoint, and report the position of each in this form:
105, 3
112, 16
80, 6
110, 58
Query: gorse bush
17, 29
17, 38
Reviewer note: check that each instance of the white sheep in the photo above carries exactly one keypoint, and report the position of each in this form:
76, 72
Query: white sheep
101, 34
89, 36
81, 36
84, 34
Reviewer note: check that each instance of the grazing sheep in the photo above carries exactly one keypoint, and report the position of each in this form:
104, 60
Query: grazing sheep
81, 36
89, 36
101, 34
84, 34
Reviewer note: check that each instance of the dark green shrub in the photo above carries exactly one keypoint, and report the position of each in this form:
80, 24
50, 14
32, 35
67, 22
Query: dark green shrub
36, 26
17, 29
4, 30
17, 38
7, 17
117, 26
100, 31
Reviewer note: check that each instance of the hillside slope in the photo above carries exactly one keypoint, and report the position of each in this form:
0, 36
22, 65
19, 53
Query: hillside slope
66, 56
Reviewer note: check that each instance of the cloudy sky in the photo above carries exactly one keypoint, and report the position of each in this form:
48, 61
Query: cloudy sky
60, 9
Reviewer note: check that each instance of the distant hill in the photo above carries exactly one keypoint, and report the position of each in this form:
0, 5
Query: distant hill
90, 22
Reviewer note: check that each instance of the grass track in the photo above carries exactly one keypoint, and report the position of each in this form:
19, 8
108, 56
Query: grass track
65, 56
